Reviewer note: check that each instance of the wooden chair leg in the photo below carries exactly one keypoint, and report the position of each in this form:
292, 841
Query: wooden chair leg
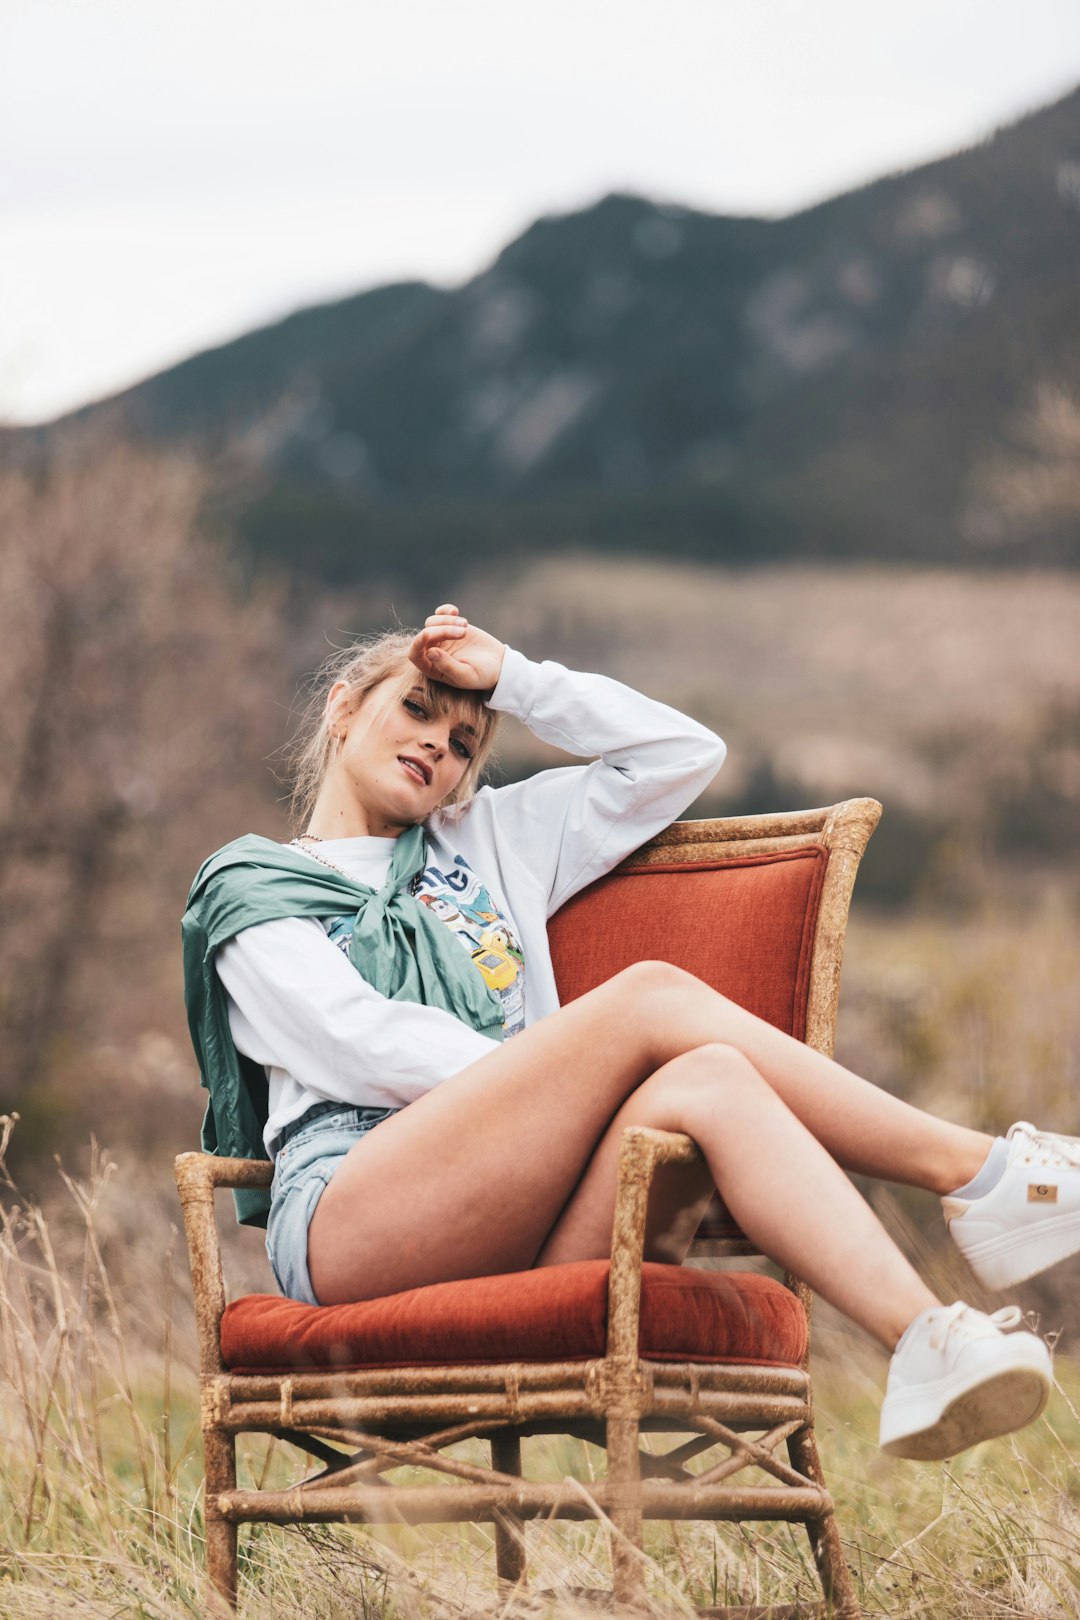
510, 1559
824, 1536
221, 1534
624, 1476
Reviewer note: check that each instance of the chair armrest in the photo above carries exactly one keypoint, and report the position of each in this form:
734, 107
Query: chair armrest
640, 1152
197, 1175
198, 1170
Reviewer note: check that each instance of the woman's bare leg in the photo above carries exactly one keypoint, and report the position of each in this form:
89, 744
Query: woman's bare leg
787, 1194
473, 1177
865, 1129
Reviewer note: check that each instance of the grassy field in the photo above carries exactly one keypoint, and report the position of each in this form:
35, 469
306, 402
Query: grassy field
935, 692
100, 1462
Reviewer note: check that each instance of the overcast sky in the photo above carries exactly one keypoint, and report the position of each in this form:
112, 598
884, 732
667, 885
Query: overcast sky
175, 172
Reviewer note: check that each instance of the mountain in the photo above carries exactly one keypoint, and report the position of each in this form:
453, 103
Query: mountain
834, 383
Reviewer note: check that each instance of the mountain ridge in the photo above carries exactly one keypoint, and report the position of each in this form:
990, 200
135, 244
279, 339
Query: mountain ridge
645, 376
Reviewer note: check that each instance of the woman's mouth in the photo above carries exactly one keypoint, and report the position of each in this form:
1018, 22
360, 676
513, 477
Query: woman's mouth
417, 771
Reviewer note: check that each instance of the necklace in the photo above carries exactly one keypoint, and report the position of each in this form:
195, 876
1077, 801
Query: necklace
301, 844
305, 839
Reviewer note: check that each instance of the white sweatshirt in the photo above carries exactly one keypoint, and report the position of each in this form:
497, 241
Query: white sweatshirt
299, 1007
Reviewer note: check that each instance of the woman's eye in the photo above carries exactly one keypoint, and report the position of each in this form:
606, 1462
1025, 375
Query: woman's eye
460, 747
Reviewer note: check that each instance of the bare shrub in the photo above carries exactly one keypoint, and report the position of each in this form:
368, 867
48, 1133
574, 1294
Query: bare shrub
1032, 488
1045, 482
133, 720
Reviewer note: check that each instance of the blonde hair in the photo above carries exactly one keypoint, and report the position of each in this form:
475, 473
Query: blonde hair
364, 666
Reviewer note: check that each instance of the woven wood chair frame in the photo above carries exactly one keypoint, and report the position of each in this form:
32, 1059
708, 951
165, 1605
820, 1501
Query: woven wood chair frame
360, 1426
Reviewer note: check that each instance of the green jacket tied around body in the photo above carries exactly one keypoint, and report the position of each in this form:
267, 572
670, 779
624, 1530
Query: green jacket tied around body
399, 946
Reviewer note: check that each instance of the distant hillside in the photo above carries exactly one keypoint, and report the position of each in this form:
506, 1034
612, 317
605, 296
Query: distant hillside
652, 378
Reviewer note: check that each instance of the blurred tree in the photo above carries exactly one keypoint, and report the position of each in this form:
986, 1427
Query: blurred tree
1043, 483
133, 721
1027, 493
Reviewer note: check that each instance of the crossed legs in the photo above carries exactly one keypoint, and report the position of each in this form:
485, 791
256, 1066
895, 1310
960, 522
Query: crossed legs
511, 1162
782, 1187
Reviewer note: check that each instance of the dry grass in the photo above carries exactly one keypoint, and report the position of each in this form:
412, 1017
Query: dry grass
978, 1019
100, 1472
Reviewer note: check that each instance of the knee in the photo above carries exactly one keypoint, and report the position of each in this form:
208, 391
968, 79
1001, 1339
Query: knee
649, 980
714, 1076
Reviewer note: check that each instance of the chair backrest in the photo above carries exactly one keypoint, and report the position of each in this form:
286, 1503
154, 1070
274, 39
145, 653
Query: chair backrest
756, 906
744, 925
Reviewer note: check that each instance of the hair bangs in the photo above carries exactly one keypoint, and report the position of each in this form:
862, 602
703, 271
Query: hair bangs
466, 709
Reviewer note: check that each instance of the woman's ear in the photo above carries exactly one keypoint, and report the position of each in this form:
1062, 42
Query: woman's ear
338, 709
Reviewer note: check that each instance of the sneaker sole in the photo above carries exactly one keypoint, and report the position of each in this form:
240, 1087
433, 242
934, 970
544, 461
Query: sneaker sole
1002, 1262
997, 1406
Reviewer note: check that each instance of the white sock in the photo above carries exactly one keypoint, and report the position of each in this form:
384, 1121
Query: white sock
990, 1173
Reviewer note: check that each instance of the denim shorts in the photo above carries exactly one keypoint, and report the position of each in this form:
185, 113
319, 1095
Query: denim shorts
311, 1150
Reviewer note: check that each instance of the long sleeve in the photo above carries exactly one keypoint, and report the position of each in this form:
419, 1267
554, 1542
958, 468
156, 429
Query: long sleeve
296, 1004
572, 824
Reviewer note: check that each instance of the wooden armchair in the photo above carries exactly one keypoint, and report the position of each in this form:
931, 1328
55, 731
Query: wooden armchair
757, 907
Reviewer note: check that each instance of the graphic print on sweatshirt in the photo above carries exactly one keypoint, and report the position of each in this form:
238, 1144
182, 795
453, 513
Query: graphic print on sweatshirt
460, 900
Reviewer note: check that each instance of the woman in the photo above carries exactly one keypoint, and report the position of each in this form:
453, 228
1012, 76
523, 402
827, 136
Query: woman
377, 999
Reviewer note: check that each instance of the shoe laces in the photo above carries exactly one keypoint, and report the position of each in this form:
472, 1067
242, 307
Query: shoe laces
1046, 1147
962, 1321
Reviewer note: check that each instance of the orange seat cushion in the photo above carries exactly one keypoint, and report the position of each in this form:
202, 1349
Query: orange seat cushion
744, 925
557, 1313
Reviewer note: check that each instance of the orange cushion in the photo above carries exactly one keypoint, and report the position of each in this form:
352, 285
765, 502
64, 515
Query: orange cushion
745, 926
557, 1313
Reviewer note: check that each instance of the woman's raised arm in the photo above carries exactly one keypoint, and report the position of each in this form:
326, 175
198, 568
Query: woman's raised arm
570, 825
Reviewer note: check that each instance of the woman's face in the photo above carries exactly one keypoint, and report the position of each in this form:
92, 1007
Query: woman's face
396, 757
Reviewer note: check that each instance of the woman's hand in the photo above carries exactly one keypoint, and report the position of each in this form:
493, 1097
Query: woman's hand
451, 650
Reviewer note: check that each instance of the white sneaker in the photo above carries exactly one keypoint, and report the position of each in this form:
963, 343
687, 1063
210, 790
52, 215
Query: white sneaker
1031, 1219
958, 1377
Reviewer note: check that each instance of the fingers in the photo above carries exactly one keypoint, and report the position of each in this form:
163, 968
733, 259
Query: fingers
439, 627
445, 615
430, 649
432, 634
446, 647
